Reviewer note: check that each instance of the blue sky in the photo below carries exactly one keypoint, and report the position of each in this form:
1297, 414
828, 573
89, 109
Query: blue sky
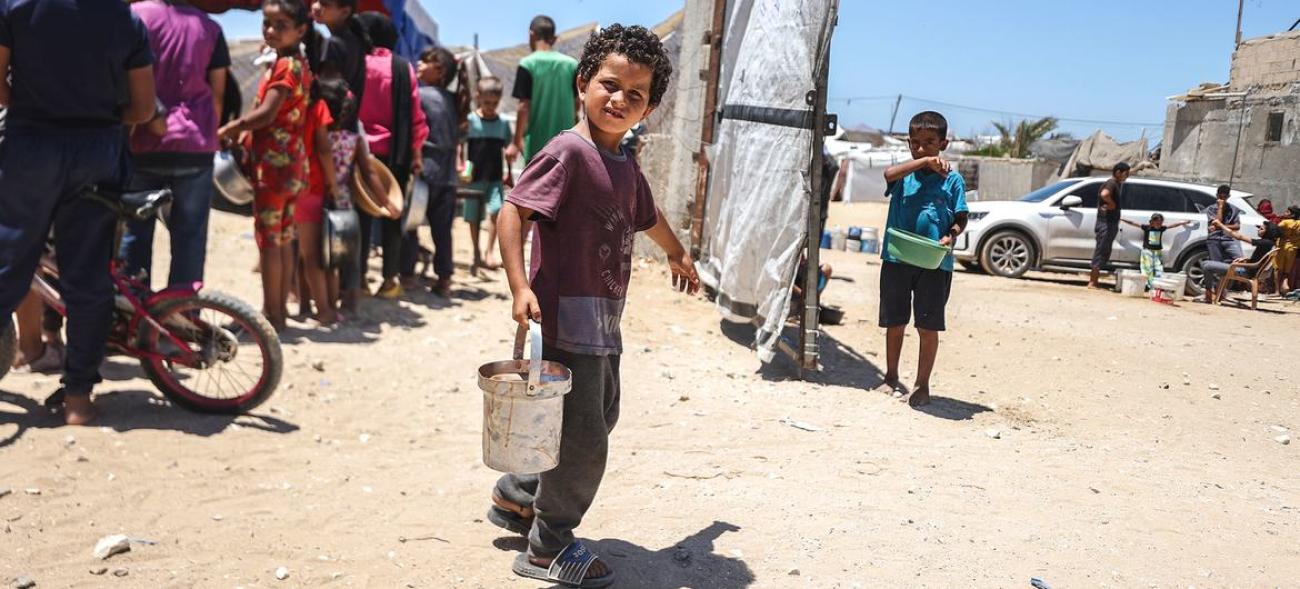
1101, 60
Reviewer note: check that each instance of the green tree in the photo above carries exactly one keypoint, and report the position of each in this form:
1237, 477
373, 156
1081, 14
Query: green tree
1016, 139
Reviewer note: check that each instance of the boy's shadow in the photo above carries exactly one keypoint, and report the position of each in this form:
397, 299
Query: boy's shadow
689, 563
125, 411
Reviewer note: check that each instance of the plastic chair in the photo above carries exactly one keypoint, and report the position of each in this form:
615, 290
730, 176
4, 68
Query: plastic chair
1255, 275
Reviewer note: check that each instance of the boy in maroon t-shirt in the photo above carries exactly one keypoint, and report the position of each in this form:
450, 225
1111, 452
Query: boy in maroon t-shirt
587, 199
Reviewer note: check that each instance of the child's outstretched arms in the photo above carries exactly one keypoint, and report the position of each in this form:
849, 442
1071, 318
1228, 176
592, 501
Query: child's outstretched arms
1139, 225
510, 231
685, 279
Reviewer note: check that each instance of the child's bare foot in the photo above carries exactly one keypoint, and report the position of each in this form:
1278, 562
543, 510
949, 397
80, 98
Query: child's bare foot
78, 410
920, 397
889, 386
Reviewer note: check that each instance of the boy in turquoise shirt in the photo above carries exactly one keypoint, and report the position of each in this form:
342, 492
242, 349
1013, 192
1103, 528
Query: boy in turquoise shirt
926, 197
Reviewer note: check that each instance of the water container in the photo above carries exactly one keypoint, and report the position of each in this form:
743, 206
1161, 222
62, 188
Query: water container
837, 239
826, 240
1132, 283
1172, 285
523, 408
855, 233
870, 245
852, 245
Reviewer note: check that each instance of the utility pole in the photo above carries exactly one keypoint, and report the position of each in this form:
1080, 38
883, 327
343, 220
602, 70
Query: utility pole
1241, 5
894, 115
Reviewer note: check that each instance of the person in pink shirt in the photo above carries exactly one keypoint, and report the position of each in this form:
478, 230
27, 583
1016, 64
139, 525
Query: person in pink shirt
395, 128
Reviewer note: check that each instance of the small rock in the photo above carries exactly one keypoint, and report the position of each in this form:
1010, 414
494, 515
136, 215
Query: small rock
1216, 396
318, 365
282, 573
1277, 428
1283, 439
364, 438
684, 398
992, 433
32, 491
682, 555
1214, 387
5, 491
24, 583
793, 572
120, 572
217, 518
110, 545
98, 570
69, 441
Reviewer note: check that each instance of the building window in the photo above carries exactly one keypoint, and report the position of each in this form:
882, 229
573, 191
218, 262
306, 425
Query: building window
1275, 120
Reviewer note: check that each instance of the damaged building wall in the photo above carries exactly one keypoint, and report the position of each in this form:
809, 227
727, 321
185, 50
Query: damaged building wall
666, 152
1263, 102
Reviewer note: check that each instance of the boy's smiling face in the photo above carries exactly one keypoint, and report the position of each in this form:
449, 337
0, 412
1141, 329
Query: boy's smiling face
925, 143
617, 97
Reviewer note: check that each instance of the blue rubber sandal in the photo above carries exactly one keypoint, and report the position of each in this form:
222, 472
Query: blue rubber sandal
569, 568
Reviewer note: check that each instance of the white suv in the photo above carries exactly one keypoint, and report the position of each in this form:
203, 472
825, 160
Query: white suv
1052, 227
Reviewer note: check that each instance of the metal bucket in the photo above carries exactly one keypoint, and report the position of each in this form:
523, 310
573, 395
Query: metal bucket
523, 408
417, 203
341, 238
229, 180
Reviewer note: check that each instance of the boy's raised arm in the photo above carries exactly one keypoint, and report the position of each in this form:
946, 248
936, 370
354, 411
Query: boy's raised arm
897, 172
512, 220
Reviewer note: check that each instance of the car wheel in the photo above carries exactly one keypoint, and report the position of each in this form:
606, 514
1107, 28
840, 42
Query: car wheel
1195, 276
1008, 253
971, 266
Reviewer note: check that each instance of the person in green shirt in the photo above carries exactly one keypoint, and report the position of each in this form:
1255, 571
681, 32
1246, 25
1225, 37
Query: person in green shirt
545, 86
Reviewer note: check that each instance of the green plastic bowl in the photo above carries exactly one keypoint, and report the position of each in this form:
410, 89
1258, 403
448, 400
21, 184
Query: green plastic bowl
913, 249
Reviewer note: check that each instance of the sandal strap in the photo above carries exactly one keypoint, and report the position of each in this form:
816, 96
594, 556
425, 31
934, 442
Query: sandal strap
571, 564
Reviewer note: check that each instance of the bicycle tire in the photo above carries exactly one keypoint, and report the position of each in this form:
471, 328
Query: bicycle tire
248, 321
8, 346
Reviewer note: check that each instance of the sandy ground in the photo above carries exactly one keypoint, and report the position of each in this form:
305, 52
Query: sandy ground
1084, 438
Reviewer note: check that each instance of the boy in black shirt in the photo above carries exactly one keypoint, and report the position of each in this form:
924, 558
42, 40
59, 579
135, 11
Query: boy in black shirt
1153, 236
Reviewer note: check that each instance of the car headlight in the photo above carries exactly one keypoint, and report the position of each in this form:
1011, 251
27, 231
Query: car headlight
977, 216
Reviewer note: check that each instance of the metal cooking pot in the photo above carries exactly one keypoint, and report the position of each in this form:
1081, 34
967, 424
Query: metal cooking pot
340, 238
229, 179
417, 203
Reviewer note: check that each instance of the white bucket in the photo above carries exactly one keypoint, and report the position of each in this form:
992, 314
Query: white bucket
1173, 284
838, 237
852, 245
523, 408
1132, 283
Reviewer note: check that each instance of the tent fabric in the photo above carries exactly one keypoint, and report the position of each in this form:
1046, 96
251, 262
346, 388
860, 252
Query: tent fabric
1101, 152
759, 187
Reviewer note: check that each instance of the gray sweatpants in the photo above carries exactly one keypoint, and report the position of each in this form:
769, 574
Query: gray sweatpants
590, 411
1223, 250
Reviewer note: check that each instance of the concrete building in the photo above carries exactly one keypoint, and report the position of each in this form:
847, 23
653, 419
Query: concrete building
1261, 104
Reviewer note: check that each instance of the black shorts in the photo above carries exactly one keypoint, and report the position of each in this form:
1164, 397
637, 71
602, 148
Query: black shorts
904, 288
1105, 231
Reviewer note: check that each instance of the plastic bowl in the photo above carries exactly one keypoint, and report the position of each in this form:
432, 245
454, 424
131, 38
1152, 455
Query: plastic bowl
915, 250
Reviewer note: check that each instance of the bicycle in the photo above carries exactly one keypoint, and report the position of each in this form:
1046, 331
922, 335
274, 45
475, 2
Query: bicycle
182, 337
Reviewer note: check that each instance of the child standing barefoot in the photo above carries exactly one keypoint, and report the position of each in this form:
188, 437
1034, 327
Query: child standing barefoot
587, 200
280, 170
926, 197
310, 210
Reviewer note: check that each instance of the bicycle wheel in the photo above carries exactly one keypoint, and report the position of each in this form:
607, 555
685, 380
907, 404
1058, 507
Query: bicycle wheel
238, 358
8, 345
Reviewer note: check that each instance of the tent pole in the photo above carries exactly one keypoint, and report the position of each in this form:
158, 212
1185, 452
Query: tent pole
714, 41
809, 319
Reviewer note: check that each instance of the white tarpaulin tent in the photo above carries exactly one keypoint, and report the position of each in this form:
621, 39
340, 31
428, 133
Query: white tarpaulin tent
756, 220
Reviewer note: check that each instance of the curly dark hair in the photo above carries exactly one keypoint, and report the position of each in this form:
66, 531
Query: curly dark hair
636, 43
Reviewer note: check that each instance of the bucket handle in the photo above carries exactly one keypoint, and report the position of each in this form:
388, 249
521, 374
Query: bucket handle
534, 332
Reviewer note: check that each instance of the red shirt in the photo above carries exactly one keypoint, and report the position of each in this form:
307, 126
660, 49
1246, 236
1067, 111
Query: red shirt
318, 117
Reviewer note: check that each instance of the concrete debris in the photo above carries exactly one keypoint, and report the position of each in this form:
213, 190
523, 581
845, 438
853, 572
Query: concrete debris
110, 545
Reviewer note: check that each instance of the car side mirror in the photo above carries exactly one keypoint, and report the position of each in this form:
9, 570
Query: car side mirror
1070, 202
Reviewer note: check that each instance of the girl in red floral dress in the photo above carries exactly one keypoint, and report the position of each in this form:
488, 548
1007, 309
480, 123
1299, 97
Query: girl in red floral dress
278, 154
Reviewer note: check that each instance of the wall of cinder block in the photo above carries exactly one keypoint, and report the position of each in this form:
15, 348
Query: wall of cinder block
1267, 62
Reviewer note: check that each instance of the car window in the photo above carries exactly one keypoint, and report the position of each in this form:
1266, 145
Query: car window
1046, 192
1149, 197
1089, 193
1199, 200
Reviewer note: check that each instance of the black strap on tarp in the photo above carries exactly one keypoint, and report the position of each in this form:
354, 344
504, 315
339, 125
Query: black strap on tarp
781, 117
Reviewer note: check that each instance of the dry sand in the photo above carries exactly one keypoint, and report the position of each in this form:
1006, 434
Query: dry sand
1080, 437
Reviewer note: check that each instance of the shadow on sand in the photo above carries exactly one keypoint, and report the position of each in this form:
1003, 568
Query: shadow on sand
689, 563
126, 411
